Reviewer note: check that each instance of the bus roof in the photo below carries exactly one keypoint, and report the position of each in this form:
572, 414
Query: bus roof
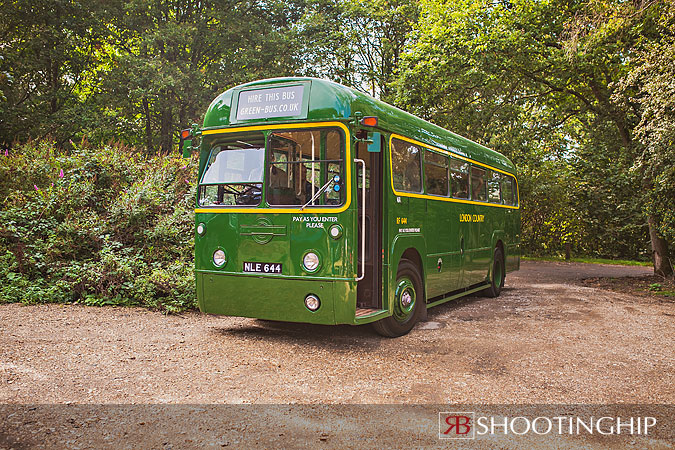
329, 101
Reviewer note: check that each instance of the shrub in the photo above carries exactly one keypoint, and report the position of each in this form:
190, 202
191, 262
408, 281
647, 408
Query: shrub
96, 226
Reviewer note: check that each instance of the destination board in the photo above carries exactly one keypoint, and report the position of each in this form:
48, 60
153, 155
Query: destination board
270, 102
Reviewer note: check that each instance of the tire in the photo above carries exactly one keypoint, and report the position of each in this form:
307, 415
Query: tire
405, 315
497, 275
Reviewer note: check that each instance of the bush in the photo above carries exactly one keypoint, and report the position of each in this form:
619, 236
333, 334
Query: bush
99, 226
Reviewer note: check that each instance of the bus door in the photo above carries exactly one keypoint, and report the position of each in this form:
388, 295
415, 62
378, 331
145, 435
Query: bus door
369, 289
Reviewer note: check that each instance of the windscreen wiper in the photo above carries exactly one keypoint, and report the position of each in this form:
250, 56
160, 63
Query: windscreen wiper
335, 179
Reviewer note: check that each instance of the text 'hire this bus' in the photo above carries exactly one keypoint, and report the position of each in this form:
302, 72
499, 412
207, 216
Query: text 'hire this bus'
320, 204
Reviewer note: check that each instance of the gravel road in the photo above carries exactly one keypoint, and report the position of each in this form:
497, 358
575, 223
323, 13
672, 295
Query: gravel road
546, 340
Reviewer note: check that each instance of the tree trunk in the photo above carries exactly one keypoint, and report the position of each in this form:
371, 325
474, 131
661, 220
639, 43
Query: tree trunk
662, 264
148, 128
166, 131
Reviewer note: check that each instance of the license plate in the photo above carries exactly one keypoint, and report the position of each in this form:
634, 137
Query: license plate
260, 267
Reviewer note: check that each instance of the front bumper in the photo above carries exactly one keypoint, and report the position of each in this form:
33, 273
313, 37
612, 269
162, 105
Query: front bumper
276, 298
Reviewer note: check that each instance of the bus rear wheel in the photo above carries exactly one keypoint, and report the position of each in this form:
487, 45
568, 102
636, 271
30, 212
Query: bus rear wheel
498, 275
408, 302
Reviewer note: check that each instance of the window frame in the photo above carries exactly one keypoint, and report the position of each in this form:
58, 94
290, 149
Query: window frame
434, 164
490, 179
467, 173
456, 159
323, 163
421, 168
221, 187
485, 190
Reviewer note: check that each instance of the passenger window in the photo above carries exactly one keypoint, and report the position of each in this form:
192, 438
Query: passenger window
406, 166
478, 186
459, 174
508, 191
436, 173
494, 187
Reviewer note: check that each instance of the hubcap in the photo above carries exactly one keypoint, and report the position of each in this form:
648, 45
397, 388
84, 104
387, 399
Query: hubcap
405, 300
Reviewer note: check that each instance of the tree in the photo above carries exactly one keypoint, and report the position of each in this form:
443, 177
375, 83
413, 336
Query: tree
132, 70
49, 71
640, 100
649, 91
355, 42
172, 58
536, 80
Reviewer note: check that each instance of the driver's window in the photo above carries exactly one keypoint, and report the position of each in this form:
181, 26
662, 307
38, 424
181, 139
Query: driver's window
234, 171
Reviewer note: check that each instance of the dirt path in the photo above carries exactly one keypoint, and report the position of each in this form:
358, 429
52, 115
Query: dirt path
546, 339
543, 340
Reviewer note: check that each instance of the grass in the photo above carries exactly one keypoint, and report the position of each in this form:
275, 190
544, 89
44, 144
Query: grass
657, 288
619, 262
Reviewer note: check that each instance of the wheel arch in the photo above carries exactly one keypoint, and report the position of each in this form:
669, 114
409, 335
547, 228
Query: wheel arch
498, 238
498, 244
410, 247
412, 255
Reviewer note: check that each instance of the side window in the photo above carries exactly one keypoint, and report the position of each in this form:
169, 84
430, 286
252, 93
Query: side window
494, 187
406, 166
459, 174
435, 173
508, 191
478, 186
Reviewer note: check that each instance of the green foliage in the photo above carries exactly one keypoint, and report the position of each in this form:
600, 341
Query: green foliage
537, 81
618, 262
131, 70
98, 226
355, 42
50, 67
648, 92
578, 93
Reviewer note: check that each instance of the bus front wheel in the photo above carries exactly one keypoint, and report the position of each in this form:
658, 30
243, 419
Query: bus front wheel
408, 302
497, 276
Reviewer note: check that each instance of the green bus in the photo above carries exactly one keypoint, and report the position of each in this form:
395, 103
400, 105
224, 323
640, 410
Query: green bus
320, 204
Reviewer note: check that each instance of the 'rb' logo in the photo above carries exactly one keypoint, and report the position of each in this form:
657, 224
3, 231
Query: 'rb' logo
456, 425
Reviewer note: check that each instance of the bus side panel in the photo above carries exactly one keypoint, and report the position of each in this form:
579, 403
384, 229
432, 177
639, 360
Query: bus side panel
443, 261
403, 216
344, 300
477, 244
513, 244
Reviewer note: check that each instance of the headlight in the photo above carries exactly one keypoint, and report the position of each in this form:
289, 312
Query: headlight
312, 302
219, 258
310, 262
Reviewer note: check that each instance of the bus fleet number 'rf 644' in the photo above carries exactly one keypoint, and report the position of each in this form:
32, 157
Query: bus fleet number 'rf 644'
259, 267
